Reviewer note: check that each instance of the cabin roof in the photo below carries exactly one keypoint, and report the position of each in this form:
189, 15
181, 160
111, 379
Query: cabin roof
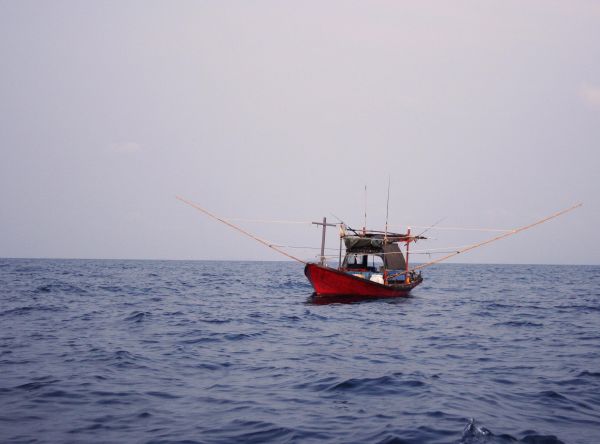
374, 241
356, 243
372, 244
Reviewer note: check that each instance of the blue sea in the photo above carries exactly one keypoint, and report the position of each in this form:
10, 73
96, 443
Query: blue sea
222, 352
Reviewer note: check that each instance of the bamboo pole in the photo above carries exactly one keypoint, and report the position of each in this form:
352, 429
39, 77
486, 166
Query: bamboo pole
235, 227
489, 241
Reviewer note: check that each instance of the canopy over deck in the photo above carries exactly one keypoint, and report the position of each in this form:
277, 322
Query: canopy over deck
374, 241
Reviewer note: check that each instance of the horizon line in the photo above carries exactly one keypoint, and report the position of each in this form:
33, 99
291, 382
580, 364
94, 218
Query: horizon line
267, 260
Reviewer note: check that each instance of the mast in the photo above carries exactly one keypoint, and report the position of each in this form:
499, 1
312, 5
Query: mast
340, 256
406, 277
323, 241
325, 225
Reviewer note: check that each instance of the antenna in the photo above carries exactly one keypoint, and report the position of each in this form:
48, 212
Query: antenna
387, 210
431, 226
365, 224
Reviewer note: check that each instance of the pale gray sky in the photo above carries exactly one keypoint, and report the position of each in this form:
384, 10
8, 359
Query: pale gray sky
485, 113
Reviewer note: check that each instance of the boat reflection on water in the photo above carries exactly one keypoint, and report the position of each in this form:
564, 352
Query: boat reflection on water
315, 299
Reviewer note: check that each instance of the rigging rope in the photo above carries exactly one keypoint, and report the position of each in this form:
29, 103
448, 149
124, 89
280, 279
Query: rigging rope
303, 222
433, 227
489, 241
304, 248
267, 221
452, 254
262, 241
446, 249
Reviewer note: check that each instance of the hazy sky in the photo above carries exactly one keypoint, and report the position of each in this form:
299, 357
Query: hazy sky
485, 113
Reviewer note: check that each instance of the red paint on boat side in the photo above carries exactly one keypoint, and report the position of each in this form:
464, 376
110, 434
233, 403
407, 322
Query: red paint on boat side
331, 282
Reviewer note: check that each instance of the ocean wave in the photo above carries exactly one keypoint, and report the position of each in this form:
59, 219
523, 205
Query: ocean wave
474, 433
378, 386
138, 316
25, 310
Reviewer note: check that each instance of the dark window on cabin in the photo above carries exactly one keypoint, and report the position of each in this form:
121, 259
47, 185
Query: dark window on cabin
356, 261
368, 262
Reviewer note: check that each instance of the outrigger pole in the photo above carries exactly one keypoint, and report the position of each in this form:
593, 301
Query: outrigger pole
489, 241
235, 227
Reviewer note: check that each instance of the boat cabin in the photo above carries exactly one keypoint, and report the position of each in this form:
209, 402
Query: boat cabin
371, 255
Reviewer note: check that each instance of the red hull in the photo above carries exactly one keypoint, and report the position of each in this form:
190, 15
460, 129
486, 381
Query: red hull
331, 282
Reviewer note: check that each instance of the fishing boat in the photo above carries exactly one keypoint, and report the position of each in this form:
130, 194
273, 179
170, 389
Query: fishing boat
373, 266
